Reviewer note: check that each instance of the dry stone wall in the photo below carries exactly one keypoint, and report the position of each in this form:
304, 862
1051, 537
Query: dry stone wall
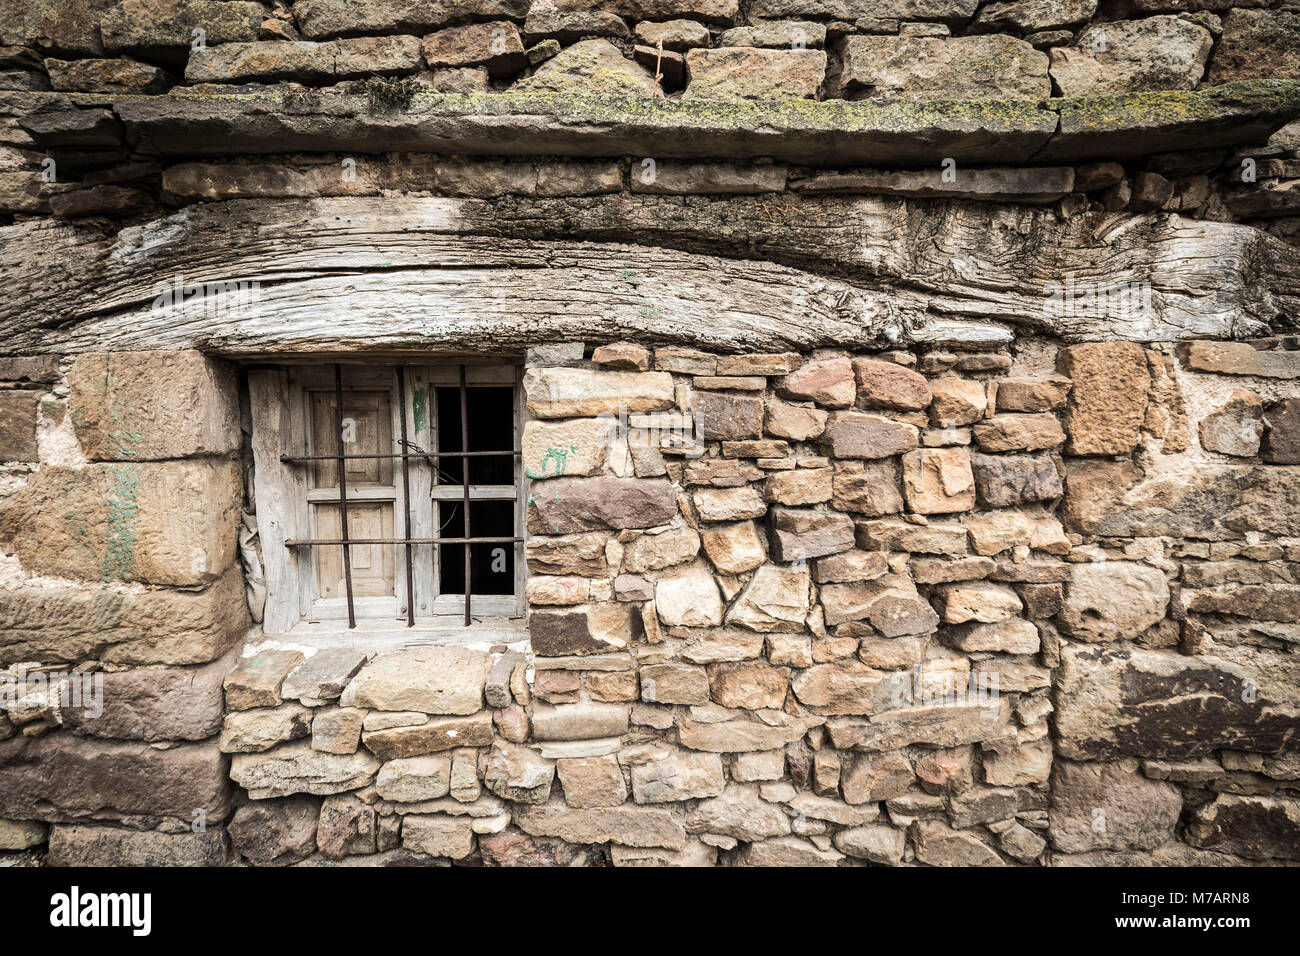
1034, 606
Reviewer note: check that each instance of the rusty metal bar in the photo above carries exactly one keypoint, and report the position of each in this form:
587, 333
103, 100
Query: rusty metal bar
435, 455
406, 500
343, 492
464, 480
325, 542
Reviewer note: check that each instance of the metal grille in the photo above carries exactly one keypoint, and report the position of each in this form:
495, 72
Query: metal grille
347, 543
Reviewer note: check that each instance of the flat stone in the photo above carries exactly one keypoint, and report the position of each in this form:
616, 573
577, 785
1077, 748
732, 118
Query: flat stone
1016, 432
1032, 394
673, 776
877, 844
727, 417
337, 730
739, 812
569, 448
828, 382
1108, 398
438, 835
1256, 44
1109, 807
956, 402
18, 414
106, 76
103, 846
689, 598
580, 721
257, 680
627, 826
22, 834
775, 599
324, 675
1003, 481
259, 729
430, 680
937, 844
592, 782
582, 553
798, 533
890, 385
750, 685
575, 393
657, 550
844, 687
495, 45
1114, 600
595, 628
154, 704
938, 480
934, 68
729, 504
570, 505
1281, 445
992, 532
432, 736
859, 435
756, 74
60, 776
296, 768
1256, 827
1114, 701
734, 548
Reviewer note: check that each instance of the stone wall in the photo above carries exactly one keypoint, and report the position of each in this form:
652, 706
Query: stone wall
1029, 606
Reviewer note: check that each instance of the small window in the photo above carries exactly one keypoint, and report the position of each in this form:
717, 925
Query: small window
426, 459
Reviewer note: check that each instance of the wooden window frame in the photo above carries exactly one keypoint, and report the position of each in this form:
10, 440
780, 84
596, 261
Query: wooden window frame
279, 399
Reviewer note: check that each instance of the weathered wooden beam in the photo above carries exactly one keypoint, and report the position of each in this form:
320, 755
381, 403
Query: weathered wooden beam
729, 273
826, 133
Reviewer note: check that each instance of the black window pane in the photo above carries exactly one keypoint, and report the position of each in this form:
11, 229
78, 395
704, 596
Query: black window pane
492, 565
491, 412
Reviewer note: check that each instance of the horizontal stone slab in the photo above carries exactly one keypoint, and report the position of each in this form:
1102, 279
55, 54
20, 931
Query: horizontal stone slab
1135, 702
57, 625
60, 777
825, 133
81, 845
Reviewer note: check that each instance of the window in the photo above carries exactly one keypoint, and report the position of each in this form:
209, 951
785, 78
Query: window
382, 489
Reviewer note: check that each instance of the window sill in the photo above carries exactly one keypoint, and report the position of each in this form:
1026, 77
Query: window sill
391, 635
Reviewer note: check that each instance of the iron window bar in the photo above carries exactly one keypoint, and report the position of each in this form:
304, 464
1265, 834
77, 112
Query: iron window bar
347, 542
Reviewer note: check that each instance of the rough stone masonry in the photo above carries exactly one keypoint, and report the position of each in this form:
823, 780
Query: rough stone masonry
957, 516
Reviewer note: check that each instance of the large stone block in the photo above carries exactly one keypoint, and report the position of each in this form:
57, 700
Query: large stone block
669, 777
859, 435
1113, 702
155, 522
82, 845
1004, 481
1257, 44
801, 533
577, 392
149, 405
304, 61
938, 480
1110, 806
753, 74
432, 736
1128, 56
569, 505
1108, 398
1113, 600
942, 68
569, 448
68, 625
1256, 827
61, 777
18, 410
165, 27
1213, 502
587, 629
775, 600
156, 704
428, 680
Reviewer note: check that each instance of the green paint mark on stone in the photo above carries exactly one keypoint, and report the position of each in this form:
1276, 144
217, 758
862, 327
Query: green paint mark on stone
123, 506
559, 457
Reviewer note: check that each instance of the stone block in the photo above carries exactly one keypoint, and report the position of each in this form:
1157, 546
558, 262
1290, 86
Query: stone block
81, 845
428, 680
149, 405
155, 522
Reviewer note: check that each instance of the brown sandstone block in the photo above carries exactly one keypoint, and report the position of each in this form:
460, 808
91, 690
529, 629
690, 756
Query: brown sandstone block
18, 412
1108, 397
152, 405
156, 522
